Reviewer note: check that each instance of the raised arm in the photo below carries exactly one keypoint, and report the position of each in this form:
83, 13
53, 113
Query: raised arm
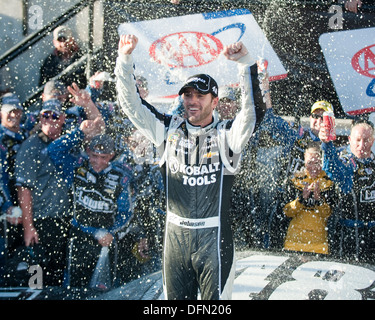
82, 98
146, 118
244, 123
339, 172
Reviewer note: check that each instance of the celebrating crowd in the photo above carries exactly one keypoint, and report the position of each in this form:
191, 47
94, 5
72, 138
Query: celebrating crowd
96, 179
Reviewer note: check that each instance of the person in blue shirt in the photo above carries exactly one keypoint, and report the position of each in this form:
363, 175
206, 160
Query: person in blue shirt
6, 207
102, 205
12, 135
294, 141
353, 170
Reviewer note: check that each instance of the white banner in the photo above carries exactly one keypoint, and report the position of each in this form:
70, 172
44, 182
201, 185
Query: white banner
350, 57
172, 49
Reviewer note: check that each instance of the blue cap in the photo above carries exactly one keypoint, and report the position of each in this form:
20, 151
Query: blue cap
10, 102
53, 105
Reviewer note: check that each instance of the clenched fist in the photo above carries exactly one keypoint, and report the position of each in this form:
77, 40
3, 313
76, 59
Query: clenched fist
127, 43
235, 51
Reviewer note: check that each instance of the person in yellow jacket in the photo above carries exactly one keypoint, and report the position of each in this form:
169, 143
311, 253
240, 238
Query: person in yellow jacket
313, 195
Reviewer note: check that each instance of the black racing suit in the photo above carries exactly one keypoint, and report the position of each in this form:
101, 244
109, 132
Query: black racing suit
199, 164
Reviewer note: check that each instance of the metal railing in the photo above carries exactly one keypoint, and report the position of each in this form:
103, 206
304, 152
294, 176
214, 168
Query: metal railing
34, 38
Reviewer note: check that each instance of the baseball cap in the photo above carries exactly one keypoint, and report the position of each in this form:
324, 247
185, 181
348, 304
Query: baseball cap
102, 143
10, 102
201, 82
62, 32
326, 106
53, 105
55, 88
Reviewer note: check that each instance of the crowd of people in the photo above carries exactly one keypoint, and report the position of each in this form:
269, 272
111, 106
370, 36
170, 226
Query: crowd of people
76, 186
92, 195
84, 180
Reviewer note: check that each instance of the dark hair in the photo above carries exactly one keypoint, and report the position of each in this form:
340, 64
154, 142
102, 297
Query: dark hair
313, 145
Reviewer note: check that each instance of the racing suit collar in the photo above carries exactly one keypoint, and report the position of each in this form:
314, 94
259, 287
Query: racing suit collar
104, 171
197, 130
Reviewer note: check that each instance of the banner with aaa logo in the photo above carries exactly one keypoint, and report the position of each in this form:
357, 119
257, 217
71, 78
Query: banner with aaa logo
172, 49
350, 57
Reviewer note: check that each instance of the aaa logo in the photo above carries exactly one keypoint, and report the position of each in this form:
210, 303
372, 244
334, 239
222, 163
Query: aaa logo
186, 49
363, 61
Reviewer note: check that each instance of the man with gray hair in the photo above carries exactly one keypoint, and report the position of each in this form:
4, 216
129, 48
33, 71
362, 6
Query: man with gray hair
353, 170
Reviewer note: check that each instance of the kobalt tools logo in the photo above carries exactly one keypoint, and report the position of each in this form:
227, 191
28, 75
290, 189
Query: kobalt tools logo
195, 175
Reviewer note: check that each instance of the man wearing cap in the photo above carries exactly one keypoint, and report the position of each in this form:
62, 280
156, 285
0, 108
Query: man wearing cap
101, 203
12, 134
43, 195
296, 160
55, 89
42, 191
200, 156
66, 52
295, 141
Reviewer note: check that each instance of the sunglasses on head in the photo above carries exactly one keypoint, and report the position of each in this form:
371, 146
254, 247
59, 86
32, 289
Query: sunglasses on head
52, 115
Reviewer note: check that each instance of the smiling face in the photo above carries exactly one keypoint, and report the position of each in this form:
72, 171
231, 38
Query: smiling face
12, 120
361, 140
199, 107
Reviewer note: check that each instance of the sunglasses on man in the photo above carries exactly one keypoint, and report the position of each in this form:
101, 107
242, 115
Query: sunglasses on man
52, 115
316, 116
61, 39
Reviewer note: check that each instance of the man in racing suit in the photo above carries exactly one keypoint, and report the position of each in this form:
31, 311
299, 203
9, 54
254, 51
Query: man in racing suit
102, 205
200, 154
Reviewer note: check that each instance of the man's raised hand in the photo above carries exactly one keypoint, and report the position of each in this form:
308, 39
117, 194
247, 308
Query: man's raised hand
80, 96
127, 43
235, 51
91, 128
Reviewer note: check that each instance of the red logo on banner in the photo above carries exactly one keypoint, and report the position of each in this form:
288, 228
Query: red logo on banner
186, 49
364, 61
